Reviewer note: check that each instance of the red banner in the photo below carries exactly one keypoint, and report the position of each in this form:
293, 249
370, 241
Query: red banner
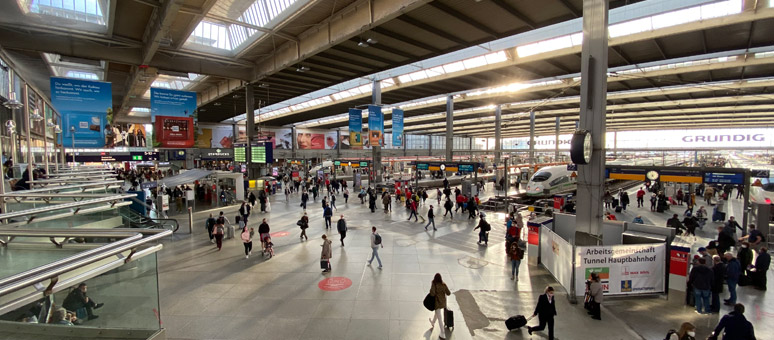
174, 131
678, 261
533, 237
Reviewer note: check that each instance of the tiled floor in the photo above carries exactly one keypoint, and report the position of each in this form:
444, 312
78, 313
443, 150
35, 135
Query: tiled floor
206, 294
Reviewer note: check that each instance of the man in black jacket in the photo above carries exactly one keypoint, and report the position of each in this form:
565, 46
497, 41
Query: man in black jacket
78, 299
719, 278
762, 264
341, 226
545, 311
735, 325
701, 279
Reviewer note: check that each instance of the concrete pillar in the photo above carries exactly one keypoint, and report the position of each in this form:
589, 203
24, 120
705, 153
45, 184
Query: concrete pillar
591, 177
556, 146
615, 144
532, 137
405, 144
430, 145
338, 143
498, 135
293, 146
376, 150
449, 128
250, 130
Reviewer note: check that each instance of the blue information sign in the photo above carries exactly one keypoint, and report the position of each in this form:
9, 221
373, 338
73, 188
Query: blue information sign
723, 178
465, 168
423, 166
572, 167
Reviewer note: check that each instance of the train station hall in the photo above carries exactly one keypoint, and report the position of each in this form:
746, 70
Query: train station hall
182, 169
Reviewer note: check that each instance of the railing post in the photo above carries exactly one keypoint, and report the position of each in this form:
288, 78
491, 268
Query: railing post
190, 220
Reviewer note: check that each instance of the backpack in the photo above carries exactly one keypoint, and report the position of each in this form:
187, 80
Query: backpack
486, 226
221, 220
377, 239
220, 230
669, 334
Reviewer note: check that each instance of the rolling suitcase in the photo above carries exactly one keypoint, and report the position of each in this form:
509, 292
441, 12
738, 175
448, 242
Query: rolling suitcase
615, 203
515, 322
618, 209
229, 232
448, 318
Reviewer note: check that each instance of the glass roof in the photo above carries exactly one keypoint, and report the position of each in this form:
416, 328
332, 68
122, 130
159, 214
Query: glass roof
174, 82
231, 25
74, 67
89, 15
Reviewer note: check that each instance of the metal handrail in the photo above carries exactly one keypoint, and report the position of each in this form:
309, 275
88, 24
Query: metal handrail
65, 233
66, 260
69, 205
15, 194
74, 186
74, 180
74, 262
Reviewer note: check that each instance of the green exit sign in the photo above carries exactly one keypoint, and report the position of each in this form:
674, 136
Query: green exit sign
336, 163
363, 164
137, 158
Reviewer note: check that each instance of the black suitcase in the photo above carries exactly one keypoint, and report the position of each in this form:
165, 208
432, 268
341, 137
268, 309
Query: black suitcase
615, 202
618, 209
448, 318
515, 322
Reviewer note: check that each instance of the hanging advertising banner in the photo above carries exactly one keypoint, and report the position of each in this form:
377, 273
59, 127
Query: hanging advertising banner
375, 124
172, 103
355, 127
84, 106
397, 127
174, 132
357, 181
623, 269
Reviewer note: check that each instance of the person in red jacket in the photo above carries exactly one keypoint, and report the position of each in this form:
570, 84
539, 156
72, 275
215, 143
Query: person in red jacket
640, 198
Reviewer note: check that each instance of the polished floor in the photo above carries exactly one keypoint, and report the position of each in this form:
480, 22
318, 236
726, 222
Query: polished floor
206, 294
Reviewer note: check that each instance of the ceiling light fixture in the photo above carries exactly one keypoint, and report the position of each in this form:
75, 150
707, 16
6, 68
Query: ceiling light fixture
264, 85
35, 116
302, 69
13, 103
216, 104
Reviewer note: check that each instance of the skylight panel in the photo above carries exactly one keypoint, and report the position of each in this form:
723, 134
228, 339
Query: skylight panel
676, 18
82, 75
210, 34
497, 57
474, 62
454, 67
87, 11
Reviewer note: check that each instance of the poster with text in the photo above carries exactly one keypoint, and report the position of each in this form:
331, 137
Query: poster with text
623, 269
174, 132
172, 103
203, 137
375, 124
84, 106
355, 127
397, 127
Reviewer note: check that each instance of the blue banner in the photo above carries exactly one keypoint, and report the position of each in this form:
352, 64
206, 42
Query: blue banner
355, 127
172, 103
83, 105
375, 125
397, 127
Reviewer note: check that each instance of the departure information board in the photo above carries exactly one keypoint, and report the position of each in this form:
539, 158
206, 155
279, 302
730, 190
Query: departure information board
239, 154
258, 154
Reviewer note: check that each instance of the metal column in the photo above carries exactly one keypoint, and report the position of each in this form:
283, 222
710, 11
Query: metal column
376, 150
498, 135
532, 137
430, 145
449, 128
250, 129
293, 146
338, 143
591, 177
27, 124
615, 144
556, 146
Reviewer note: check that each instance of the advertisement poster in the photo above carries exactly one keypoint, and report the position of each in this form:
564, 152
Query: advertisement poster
330, 140
84, 106
623, 269
533, 236
203, 137
355, 127
284, 139
556, 256
358, 181
397, 127
172, 103
123, 134
375, 124
678, 260
174, 132
308, 140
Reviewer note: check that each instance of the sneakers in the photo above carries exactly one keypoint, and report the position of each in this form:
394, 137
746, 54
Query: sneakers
99, 305
512, 277
247, 256
529, 330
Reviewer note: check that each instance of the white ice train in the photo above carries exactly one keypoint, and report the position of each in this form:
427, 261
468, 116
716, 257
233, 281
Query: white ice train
551, 180
764, 193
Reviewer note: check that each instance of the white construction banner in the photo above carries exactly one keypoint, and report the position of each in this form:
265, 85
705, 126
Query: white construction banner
556, 256
623, 269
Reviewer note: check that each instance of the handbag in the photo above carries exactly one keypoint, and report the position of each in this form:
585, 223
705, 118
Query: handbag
429, 302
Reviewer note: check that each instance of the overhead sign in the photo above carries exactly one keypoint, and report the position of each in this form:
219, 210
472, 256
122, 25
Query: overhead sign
397, 127
134, 156
466, 168
174, 131
261, 153
723, 178
337, 163
84, 106
760, 173
423, 166
375, 124
215, 154
172, 103
363, 164
355, 127
240, 154
149, 185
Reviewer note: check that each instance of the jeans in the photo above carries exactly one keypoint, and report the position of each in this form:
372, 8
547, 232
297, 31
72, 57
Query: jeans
731, 290
715, 304
515, 267
375, 254
248, 247
327, 222
702, 298
431, 220
413, 213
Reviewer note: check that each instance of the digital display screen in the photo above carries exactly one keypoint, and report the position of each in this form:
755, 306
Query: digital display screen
423, 166
258, 154
239, 154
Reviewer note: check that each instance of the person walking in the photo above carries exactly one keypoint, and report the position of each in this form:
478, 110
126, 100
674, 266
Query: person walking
386, 201
326, 253
430, 218
210, 224
413, 208
483, 234
303, 223
597, 295
762, 264
304, 199
346, 195
327, 215
734, 326
341, 226
718, 277
438, 196
640, 198
247, 240
376, 242
687, 332
244, 211
545, 311
439, 291
262, 199
624, 198
333, 202
701, 279
733, 271
220, 230
516, 254
448, 207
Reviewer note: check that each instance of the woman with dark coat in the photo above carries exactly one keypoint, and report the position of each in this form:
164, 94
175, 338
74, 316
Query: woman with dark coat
545, 311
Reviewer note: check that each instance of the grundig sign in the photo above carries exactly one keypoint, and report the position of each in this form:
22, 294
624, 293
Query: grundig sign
725, 138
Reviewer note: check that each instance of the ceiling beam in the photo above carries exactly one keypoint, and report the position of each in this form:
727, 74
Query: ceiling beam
571, 8
514, 12
437, 31
660, 49
111, 18
464, 18
348, 61
405, 39
363, 55
385, 48
197, 17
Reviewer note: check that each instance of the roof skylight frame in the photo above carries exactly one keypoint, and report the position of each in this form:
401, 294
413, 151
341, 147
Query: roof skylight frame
83, 15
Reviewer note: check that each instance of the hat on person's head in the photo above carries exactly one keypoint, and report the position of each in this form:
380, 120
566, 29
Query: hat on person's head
702, 249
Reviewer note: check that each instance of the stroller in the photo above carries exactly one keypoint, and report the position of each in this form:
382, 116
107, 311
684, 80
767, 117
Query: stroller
269, 247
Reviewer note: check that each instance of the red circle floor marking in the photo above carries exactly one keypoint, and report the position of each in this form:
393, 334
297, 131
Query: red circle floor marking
279, 234
333, 284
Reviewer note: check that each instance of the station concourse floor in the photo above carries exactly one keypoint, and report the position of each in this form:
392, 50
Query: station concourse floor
206, 294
